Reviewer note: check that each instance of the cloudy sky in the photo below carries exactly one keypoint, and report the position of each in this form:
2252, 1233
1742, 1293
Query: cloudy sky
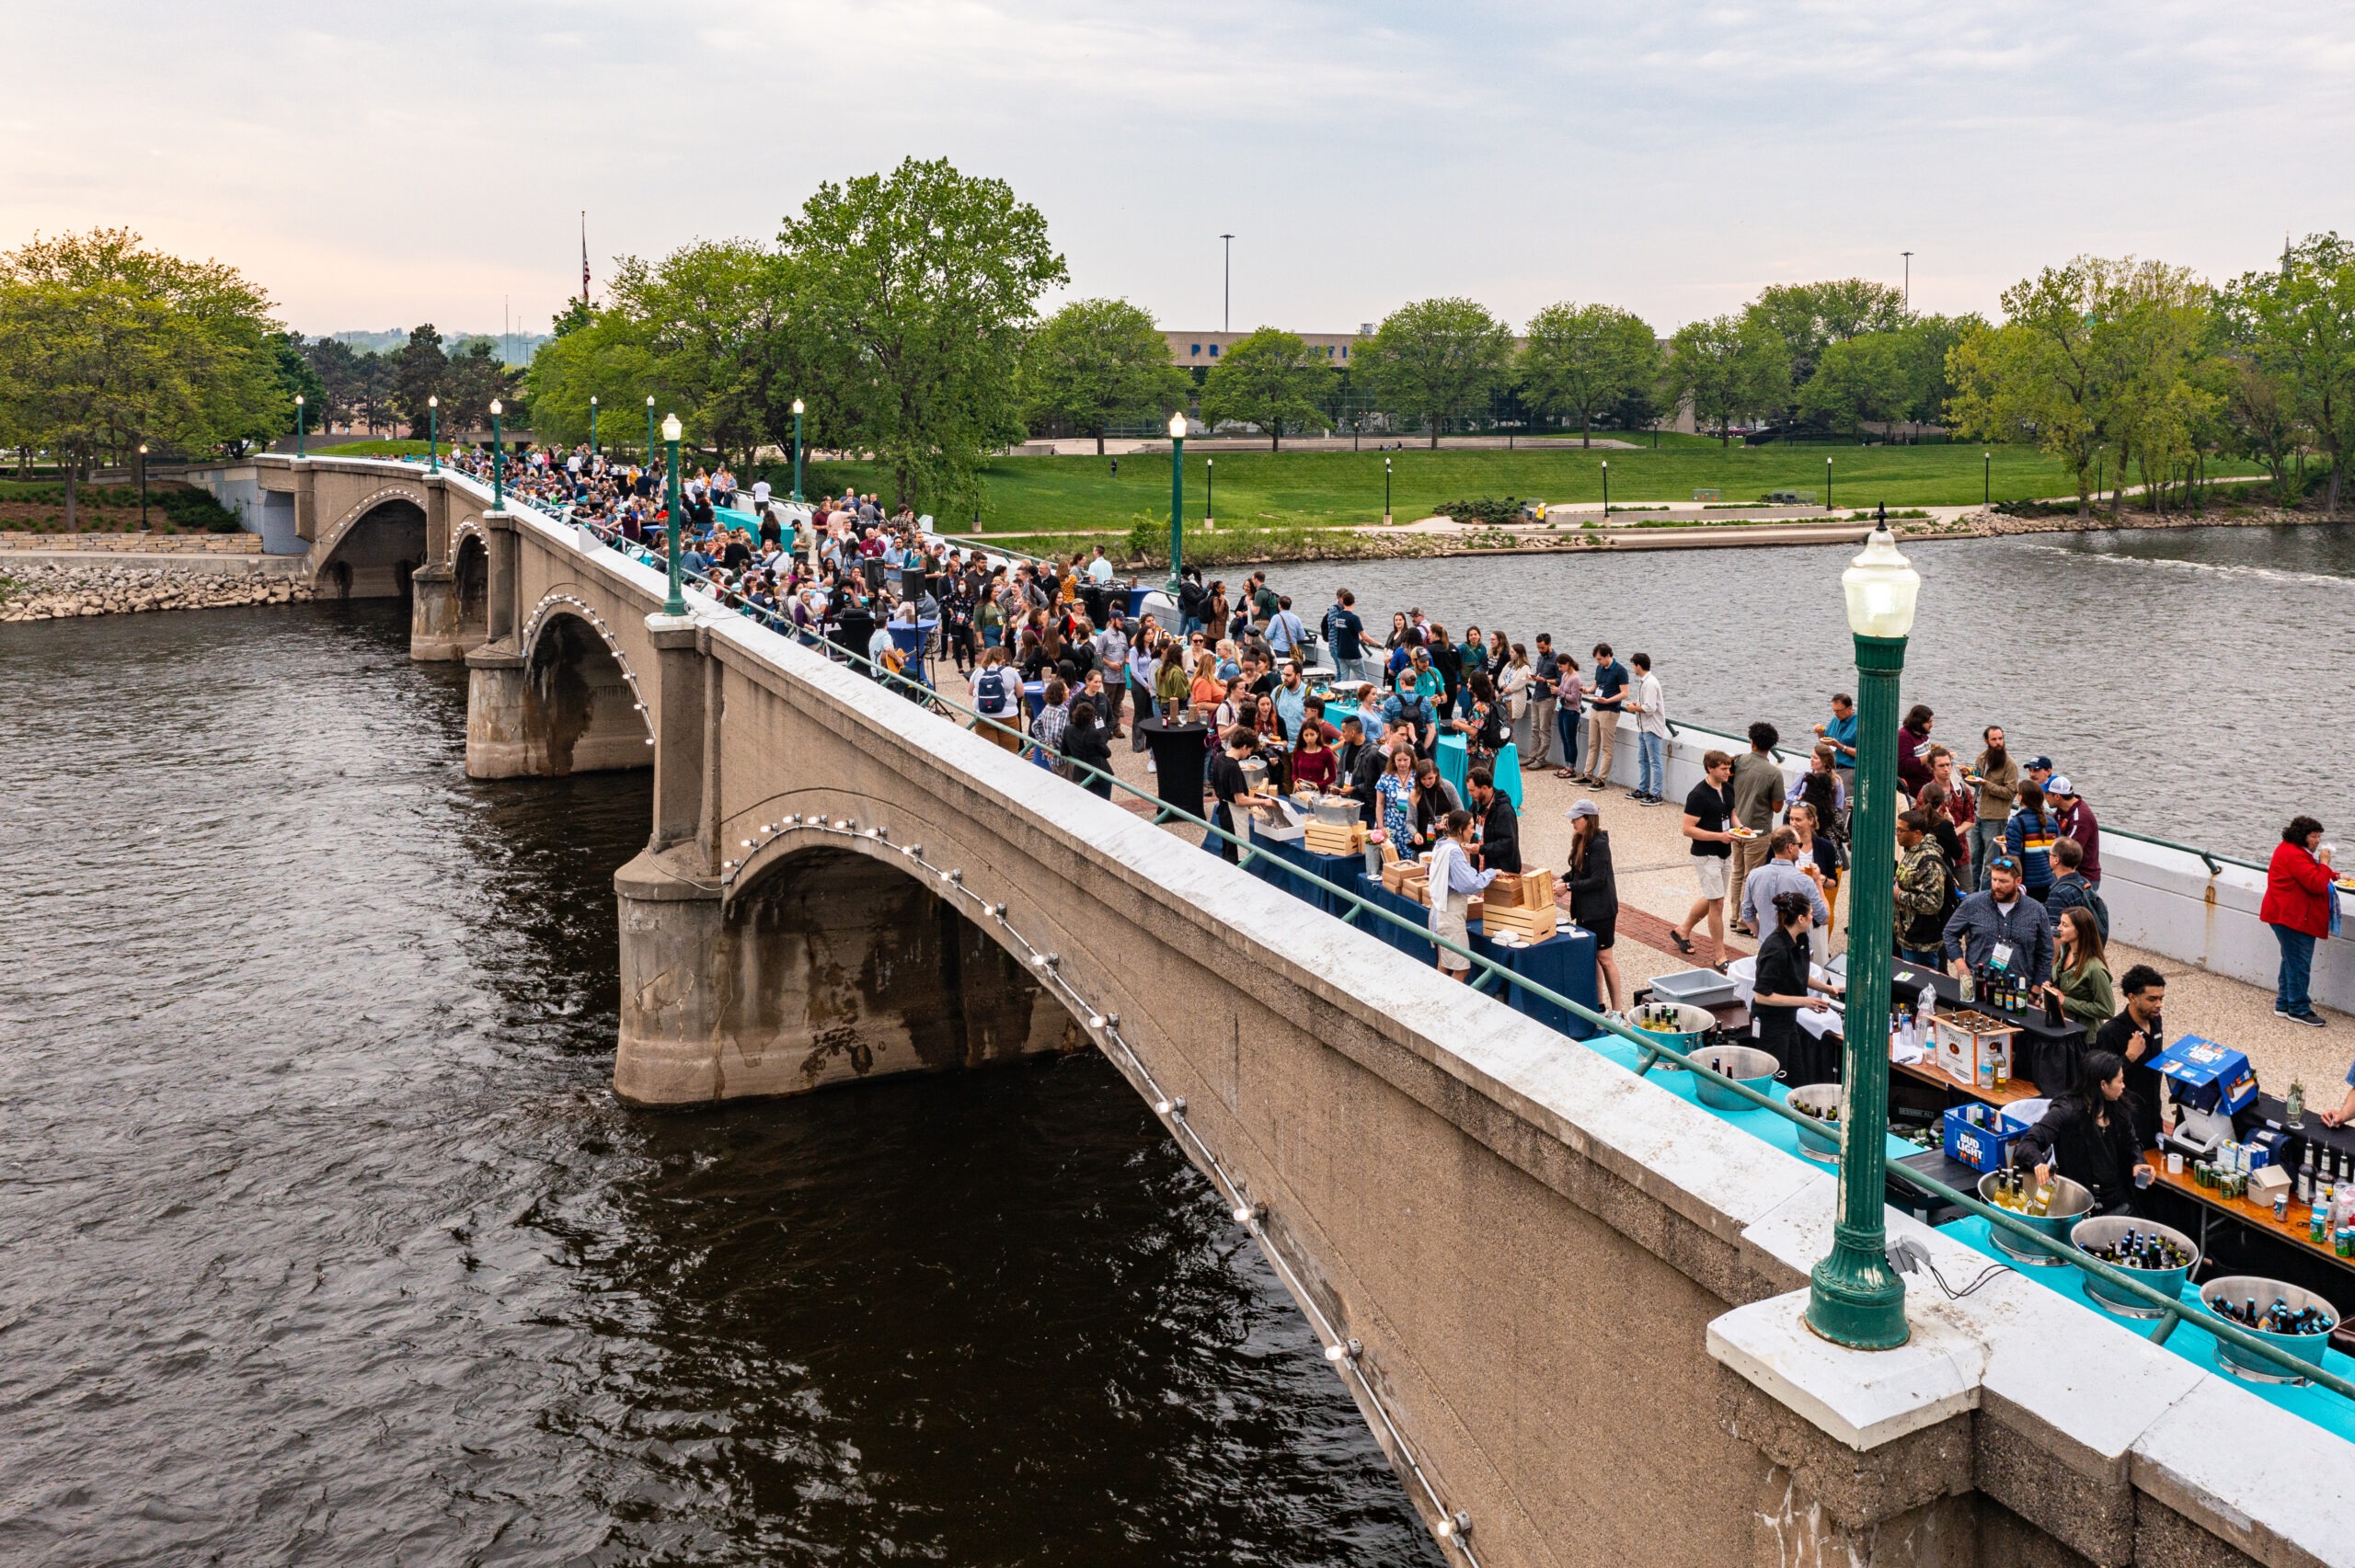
375, 166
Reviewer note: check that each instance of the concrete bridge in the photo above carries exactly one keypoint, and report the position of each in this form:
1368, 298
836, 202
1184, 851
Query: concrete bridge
1567, 1300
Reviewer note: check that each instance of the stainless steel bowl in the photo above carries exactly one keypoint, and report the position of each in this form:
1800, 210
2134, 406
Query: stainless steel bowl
1818, 1140
1747, 1065
2108, 1230
1691, 1024
2239, 1288
2071, 1203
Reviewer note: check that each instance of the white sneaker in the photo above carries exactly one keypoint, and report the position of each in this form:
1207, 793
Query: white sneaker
1149, 767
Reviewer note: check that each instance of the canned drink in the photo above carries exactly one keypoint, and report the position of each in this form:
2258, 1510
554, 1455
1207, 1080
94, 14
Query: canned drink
2281, 1208
2346, 1247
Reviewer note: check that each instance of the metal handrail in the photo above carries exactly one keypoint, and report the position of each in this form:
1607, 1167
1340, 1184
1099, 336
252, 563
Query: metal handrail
1652, 1049
2212, 857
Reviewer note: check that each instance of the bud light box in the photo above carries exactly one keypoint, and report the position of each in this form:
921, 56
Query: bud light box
1980, 1136
2207, 1076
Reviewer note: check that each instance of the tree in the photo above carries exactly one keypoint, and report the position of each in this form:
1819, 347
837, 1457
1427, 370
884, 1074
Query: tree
1810, 317
1858, 381
1924, 344
1270, 379
916, 289
1098, 361
1727, 366
297, 378
2297, 327
418, 366
470, 380
105, 343
1436, 359
1582, 359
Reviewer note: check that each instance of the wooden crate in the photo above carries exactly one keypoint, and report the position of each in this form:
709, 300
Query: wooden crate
1331, 838
1536, 889
1534, 924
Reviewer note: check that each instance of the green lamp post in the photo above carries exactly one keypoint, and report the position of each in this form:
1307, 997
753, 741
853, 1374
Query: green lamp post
1827, 484
677, 603
497, 461
302, 424
650, 430
1986, 478
1385, 492
593, 424
1853, 1297
1606, 490
1176, 500
432, 434
797, 452
142, 487
1210, 475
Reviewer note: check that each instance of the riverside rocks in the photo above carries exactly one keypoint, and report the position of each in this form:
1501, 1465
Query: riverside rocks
46, 591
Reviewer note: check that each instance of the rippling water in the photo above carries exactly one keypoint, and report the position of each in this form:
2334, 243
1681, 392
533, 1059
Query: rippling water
2190, 681
322, 1240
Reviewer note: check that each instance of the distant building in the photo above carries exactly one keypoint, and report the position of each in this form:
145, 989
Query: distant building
1200, 350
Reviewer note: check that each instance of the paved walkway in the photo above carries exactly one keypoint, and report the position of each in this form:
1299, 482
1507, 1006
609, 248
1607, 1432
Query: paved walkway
1655, 888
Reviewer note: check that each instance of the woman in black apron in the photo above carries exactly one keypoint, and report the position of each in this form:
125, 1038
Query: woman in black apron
1780, 990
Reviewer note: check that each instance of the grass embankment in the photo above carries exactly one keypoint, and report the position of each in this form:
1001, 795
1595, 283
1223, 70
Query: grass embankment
1318, 489
38, 505
374, 448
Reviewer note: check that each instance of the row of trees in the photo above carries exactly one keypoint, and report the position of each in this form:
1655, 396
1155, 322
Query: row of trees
378, 391
106, 343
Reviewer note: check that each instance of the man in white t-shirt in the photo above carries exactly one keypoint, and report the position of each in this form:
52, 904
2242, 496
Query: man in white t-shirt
1650, 708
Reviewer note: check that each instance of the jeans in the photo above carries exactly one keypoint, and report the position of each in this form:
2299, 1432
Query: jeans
2297, 970
1651, 764
1148, 706
1986, 843
1565, 731
1352, 670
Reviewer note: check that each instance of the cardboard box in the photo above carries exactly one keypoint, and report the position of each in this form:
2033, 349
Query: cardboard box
1960, 1053
2207, 1076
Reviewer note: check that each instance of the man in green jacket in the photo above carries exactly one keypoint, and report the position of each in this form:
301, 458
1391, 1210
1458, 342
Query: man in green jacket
1997, 778
1757, 792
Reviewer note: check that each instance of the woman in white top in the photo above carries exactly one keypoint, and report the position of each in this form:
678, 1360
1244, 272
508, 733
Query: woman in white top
1514, 678
1453, 883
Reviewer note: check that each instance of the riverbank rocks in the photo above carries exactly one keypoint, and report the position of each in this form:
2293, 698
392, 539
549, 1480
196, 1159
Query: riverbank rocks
46, 591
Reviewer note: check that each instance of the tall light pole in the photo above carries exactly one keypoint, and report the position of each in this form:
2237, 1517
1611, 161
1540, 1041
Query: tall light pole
1986, 478
432, 433
593, 424
797, 452
1606, 490
1176, 500
1210, 466
1226, 298
498, 460
142, 487
1385, 492
1827, 484
650, 430
677, 603
302, 424
1853, 1297
1909, 279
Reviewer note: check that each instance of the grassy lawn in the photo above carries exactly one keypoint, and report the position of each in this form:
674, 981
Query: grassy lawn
374, 448
1054, 494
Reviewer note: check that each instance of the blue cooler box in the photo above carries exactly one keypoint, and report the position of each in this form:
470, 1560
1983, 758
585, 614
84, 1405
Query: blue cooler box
1980, 1136
2207, 1076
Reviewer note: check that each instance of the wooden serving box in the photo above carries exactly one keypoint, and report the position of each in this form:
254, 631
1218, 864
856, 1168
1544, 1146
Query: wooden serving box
1328, 838
1534, 924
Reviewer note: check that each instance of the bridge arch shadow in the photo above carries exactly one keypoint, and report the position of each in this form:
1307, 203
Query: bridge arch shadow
470, 584
374, 554
582, 708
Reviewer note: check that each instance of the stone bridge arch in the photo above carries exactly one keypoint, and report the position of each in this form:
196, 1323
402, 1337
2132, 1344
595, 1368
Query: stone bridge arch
374, 547
839, 957
571, 704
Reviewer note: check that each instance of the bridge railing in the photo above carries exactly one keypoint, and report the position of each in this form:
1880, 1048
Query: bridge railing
1651, 1049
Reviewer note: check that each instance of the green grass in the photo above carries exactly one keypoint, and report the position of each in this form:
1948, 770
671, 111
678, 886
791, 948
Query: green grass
373, 449
1079, 494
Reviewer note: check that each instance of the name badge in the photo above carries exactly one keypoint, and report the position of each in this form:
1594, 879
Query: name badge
2002, 956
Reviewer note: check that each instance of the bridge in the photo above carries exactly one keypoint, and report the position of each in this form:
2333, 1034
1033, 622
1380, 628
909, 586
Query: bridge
1567, 1300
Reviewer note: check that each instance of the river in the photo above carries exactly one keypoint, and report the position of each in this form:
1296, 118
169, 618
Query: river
2185, 680
322, 1238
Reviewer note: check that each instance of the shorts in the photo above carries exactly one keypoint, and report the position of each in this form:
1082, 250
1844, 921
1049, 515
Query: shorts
1451, 928
1605, 931
1715, 874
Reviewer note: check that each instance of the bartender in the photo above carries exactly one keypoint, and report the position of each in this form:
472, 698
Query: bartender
1781, 988
2136, 1034
1231, 788
2088, 1135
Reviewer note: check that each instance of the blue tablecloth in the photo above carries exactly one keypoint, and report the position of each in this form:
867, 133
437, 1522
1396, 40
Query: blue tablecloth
1414, 940
912, 640
1563, 963
1306, 875
1035, 693
1136, 601
1450, 756
1508, 773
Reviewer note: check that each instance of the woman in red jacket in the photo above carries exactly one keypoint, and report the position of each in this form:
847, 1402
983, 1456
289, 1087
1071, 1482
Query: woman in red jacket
2297, 906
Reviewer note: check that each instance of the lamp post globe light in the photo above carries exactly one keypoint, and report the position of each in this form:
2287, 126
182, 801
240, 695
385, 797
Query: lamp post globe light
1210, 474
650, 430
302, 424
1385, 492
1606, 490
142, 487
677, 603
497, 461
432, 434
1853, 1297
1176, 500
593, 424
797, 452
1827, 484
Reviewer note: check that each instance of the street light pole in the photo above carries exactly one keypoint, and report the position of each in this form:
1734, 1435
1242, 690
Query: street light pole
1986, 478
593, 424
432, 433
1853, 1297
142, 487
302, 424
1827, 484
1385, 492
650, 430
797, 452
677, 603
1606, 490
1226, 304
497, 461
1210, 472
1176, 500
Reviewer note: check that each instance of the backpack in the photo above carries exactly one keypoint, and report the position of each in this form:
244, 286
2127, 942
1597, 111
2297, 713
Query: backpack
2080, 892
990, 691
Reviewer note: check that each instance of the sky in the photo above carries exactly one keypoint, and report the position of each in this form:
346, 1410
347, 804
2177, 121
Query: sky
374, 166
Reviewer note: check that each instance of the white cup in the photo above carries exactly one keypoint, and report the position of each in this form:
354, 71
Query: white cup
2175, 1164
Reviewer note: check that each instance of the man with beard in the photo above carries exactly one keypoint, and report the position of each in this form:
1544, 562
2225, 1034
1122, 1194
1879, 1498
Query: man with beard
1997, 779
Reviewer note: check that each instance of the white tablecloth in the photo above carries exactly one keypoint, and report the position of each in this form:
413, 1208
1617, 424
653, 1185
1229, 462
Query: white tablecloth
1743, 973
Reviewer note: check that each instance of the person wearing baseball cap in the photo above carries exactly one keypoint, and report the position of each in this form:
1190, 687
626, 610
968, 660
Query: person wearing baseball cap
1594, 897
2077, 820
2039, 770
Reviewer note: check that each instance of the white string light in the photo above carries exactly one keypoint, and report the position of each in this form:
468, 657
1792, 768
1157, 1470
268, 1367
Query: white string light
1344, 1354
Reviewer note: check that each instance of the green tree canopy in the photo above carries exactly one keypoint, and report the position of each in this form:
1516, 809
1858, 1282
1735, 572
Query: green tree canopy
1726, 367
917, 289
418, 366
1583, 359
2296, 329
1096, 363
1270, 379
105, 343
1436, 359
1810, 317
1859, 381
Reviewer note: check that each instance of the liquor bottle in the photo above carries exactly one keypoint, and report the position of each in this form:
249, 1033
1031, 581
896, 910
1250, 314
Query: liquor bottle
2003, 1054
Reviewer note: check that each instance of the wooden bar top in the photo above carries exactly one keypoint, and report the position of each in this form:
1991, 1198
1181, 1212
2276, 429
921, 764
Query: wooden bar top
2259, 1216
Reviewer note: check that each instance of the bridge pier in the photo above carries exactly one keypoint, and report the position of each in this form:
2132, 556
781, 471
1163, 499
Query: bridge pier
435, 634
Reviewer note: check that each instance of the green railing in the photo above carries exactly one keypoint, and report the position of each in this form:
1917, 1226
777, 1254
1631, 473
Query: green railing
1496, 975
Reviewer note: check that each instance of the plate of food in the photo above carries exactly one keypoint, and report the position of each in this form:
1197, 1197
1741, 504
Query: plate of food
1744, 832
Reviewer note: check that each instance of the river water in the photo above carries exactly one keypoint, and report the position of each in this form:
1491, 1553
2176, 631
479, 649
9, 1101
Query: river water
323, 1240
2192, 683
